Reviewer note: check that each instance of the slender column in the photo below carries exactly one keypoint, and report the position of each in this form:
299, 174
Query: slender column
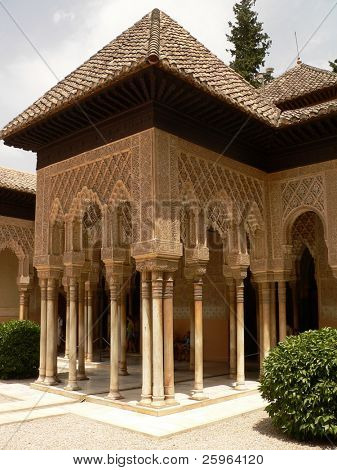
146, 341
56, 337
198, 391
23, 302
232, 330
119, 304
90, 355
81, 333
282, 312
50, 378
273, 334
66, 355
168, 341
240, 336
123, 370
85, 324
72, 379
260, 303
43, 331
266, 317
114, 381
158, 398
293, 286
192, 335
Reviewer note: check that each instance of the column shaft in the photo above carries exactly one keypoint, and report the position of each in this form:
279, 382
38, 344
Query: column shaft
72, 378
85, 324
81, 333
168, 341
66, 353
114, 380
146, 341
157, 338
232, 330
90, 355
50, 378
56, 337
43, 331
198, 391
123, 370
192, 336
266, 317
240, 335
282, 312
273, 333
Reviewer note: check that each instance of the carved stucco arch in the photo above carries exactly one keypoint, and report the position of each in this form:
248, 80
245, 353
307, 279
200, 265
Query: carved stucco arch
22, 256
293, 216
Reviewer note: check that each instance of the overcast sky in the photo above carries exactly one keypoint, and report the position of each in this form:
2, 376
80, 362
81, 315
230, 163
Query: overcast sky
67, 32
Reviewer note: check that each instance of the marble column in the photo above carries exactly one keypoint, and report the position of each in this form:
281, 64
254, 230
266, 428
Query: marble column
81, 375
123, 370
146, 341
240, 336
260, 306
50, 378
114, 393
265, 290
296, 320
23, 302
282, 312
158, 397
198, 391
273, 332
90, 338
56, 337
232, 329
72, 376
192, 336
66, 352
43, 331
85, 324
168, 341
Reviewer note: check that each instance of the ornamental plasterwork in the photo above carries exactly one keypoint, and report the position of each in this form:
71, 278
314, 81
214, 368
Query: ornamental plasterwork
304, 233
99, 171
17, 235
308, 191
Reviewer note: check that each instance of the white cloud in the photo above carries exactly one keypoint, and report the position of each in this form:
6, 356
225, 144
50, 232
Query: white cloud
61, 15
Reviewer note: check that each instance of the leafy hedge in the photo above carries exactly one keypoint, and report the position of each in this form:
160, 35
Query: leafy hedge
299, 381
19, 349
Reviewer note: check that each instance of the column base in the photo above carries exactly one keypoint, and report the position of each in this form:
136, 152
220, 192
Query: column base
158, 402
114, 396
171, 401
145, 400
89, 359
82, 377
72, 387
240, 386
198, 395
123, 373
50, 381
66, 356
40, 379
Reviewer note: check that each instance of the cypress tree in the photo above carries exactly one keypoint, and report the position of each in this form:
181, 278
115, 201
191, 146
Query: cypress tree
250, 43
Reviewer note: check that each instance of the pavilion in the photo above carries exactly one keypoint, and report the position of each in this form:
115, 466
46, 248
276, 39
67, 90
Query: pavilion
202, 205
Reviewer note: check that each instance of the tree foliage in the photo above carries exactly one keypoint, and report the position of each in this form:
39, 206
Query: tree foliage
299, 381
333, 65
250, 43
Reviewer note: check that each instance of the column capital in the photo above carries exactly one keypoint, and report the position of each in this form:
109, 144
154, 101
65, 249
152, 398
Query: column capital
168, 286
157, 264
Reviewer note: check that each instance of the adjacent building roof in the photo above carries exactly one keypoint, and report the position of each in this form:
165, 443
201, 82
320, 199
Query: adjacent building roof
301, 80
155, 39
17, 180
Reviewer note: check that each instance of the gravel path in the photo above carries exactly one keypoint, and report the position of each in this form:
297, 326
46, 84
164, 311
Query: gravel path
248, 432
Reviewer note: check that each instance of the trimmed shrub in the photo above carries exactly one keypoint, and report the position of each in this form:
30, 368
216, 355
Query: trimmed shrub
19, 349
299, 381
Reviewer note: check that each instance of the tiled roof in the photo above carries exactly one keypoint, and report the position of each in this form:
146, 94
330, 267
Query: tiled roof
155, 39
299, 81
17, 180
309, 112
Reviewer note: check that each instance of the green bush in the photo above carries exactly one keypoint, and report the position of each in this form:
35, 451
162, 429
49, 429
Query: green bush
299, 381
19, 349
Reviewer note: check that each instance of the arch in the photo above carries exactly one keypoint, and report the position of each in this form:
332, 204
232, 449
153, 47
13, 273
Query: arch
81, 201
293, 216
220, 213
119, 194
14, 247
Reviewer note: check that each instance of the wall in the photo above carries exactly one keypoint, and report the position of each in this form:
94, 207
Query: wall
9, 295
